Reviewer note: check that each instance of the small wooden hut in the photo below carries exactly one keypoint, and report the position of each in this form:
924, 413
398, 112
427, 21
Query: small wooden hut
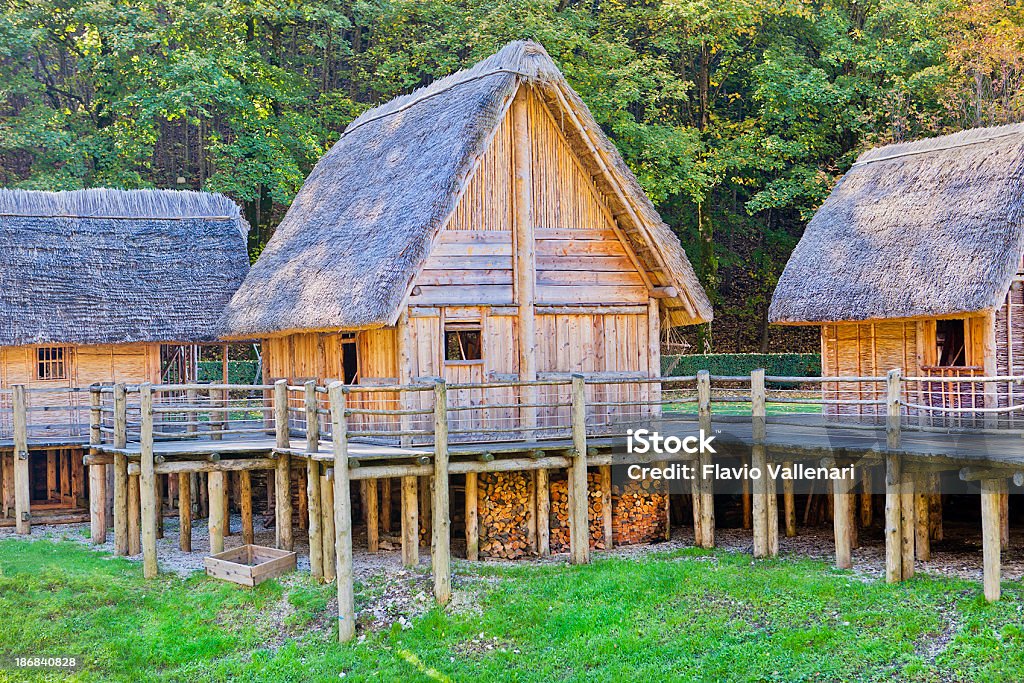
482, 228
95, 285
915, 262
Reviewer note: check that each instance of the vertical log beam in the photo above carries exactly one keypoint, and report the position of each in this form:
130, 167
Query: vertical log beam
441, 543
22, 490
543, 513
705, 488
147, 482
579, 527
866, 510
385, 505
122, 520
282, 472
372, 504
245, 506
789, 503
134, 538
316, 541
842, 522
410, 522
342, 514
159, 487
97, 474
991, 491
893, 482
329, 529
525, 253
215, 522
606, 504
765, 512
907, 532
472, 519
185, 512
922, 518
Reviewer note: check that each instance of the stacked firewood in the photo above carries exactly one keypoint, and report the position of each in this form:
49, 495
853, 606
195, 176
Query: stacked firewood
504, 512
638, 512
560, 513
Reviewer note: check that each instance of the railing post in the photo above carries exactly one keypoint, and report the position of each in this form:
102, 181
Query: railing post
893, 482
765, 507
703, 490
316, 547
22, 492
282, 472
579, 527
147, 482
120, 440
441, 546
342, 513
97, 474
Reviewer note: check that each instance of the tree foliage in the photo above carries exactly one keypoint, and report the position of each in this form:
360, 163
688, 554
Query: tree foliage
737, 116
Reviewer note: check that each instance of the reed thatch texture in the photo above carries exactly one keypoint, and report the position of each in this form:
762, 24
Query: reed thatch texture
108, 266
346, 254
920, 229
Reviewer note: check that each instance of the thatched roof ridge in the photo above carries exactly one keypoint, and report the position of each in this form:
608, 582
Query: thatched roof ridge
920, 229
104, 266
346, 253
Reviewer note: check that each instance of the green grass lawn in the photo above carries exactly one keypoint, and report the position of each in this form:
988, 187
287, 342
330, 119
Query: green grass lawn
686, 615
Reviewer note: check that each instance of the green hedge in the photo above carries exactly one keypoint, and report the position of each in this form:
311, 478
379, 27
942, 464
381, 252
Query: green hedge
778, 364
239, 371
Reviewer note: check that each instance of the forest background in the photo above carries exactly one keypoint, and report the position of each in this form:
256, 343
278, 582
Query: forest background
737, 116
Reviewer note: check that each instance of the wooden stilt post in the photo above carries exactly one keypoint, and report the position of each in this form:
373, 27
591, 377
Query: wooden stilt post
329, 531
227, 504
385, 505
185, 512
842, 521
579, 527
748, 508
97, 474
147, 482
215, 522
159, 488
1004, 518
316, 547
765, 511
245, 506
543, 513
893, 483
122, 518
22, 491
410, 522
991, 491
789, 503
372, 516
472, 522
866, 498
704, 484
907, 533
342, 514
441, 543
922, 536
134, 537
282, 473
606, 504
7, 485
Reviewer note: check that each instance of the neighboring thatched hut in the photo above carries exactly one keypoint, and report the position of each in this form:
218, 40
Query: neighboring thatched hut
93, 284
914, 262
486, 224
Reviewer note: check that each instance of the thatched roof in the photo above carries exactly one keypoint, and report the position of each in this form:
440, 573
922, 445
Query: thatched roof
110, 266
346, 253
919, 229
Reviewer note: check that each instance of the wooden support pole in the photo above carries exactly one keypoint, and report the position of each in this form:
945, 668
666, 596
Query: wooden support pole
385, 505
215, 522
342, 514
748, 508
410, 522
1004, 518
7, 476
606, 504
22, 490
329, 531
97, 474
893, 482
282, 473
245, 506
991, 491
440, 530
316, 541
134, 538
159, 490
122, 519
842, 522
866, 498
525, 246
789, 503
543, 513
147, 482
185, 512
763, 519
907, 532
472, 521
579, 526
372, 505
922, 518
704, 484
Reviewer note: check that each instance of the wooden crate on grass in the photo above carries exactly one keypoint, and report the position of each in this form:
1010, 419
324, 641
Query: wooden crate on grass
250, 565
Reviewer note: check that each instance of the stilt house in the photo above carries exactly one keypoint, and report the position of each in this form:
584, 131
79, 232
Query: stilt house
914, 262
96, 285
482, 228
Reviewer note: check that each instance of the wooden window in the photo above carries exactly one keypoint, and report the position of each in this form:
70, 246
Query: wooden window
951, 343
463, 343
51, 362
